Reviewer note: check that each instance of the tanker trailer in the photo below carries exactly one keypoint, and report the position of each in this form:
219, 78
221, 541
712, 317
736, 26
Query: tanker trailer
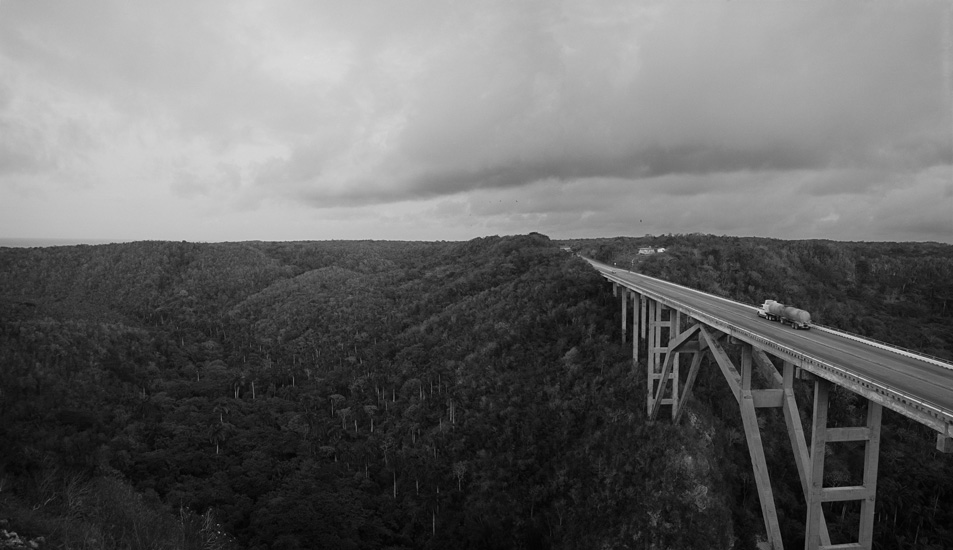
786, 315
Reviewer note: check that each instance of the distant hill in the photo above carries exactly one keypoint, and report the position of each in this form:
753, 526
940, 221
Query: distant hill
43, 242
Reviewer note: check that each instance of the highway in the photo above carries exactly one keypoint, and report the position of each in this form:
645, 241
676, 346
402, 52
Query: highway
924, 380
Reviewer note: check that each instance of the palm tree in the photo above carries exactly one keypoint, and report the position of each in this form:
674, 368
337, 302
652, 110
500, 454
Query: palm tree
218, 433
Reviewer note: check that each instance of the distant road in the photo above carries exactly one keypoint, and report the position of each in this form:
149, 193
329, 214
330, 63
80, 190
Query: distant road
925, 380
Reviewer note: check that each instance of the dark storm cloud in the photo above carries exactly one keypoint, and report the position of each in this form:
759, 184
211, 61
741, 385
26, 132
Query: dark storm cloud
586, 115
709, 90
643, 165
651, 163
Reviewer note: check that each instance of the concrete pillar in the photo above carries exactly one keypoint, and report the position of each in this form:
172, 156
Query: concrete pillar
661, 330
636, 300
815, 513
644, 309
762, 479
625, 310
674, 330
871, 464
651, 359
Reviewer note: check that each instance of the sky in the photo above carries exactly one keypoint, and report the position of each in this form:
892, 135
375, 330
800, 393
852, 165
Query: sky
450, 119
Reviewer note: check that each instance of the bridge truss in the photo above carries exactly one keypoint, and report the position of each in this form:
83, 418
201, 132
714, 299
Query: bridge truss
672, 329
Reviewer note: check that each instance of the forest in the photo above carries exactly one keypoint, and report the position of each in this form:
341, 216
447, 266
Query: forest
368, 394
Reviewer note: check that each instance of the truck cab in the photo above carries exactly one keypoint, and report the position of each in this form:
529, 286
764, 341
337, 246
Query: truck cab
765, 311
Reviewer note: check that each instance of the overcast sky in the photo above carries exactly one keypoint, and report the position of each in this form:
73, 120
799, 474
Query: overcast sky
429, 120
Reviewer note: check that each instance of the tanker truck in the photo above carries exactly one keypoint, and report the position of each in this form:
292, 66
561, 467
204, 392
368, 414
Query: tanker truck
786, 315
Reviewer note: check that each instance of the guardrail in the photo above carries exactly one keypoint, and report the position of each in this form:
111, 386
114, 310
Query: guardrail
903, 403
906, 352
925, 357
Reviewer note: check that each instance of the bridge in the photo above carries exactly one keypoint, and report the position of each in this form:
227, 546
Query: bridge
676, 321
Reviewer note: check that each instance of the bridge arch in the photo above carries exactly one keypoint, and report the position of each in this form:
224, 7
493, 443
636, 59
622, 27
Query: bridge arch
674, 321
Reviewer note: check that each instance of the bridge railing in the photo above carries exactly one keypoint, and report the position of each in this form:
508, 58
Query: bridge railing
913, 354
901, 402
906, 352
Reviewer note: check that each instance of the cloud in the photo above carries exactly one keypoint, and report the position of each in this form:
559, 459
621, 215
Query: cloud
704, 90
770, 204
18, 151
367, 105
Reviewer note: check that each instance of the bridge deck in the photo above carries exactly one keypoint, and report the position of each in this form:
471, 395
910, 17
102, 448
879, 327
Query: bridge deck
920, 388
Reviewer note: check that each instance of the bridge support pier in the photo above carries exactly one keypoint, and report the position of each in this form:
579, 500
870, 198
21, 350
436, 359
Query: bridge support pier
802, 456
644, 311
866, 493
666, 379
748, 400
637, 303
624, 301
658, 375
666, 341
712, 336
810, 464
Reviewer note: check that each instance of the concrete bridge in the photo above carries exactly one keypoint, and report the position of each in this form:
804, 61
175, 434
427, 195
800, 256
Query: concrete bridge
675, 321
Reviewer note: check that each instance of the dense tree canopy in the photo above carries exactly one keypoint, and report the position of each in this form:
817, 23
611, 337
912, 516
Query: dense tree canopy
394, 395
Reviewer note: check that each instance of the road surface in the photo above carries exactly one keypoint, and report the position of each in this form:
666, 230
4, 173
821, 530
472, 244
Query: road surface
924, 380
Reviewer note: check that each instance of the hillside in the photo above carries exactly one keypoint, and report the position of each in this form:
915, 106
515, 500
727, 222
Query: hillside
345, 395
406, 395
